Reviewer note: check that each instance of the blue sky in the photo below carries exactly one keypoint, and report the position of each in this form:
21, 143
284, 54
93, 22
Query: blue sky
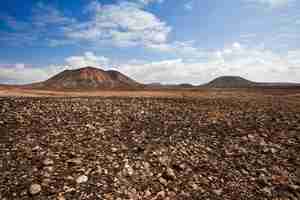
165, 41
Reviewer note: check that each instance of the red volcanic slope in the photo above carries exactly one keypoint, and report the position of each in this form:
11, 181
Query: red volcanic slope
88, 78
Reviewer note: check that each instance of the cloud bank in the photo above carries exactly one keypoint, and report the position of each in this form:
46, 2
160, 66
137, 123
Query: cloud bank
271, 3
258, 64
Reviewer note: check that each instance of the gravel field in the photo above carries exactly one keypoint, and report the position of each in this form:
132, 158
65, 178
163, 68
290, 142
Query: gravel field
150, 148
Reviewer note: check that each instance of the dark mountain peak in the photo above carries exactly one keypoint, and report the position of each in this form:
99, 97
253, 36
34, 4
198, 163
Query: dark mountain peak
230, 78
230, 82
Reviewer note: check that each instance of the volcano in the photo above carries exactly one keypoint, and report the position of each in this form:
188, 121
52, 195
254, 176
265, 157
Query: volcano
239, 82
231, 82
88, 78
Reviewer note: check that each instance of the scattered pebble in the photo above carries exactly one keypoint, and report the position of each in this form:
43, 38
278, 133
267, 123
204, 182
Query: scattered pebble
48, 161
75, 161
218, 192
35, 189
267, 191
82, 179
61, 197
163, 181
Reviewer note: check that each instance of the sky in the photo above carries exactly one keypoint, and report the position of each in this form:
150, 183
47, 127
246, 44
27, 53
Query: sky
167, 41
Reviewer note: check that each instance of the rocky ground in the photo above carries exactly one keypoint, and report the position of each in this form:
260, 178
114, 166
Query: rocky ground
149, 148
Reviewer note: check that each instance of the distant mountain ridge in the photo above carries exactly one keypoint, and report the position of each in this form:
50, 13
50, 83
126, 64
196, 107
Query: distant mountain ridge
92, 78
239, 82
88, 78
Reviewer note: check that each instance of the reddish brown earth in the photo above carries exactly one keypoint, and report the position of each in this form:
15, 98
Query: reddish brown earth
216, 144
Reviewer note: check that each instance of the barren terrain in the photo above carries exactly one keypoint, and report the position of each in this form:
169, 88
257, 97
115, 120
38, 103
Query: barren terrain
192, 145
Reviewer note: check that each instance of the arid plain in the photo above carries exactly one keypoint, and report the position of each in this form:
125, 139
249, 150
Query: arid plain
161, 144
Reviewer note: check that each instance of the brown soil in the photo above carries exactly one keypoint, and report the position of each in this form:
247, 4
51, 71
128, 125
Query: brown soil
212, 144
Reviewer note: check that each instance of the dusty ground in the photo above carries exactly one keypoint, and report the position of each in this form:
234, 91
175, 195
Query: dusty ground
11, 91
244, 146
19, 92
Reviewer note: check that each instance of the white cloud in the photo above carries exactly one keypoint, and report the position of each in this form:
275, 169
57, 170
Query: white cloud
88, 59
256, 64
166, 71
44, 15
188, 6
123, 24
294, 57
43, 26
236, 45
146, 2
248, 35
271, 3
181, 49
21, 73
20, 66
59, 42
